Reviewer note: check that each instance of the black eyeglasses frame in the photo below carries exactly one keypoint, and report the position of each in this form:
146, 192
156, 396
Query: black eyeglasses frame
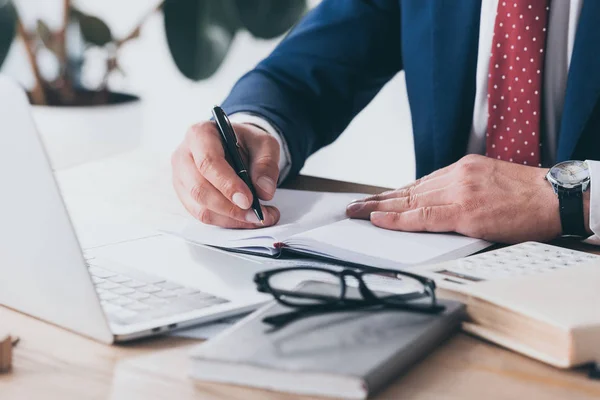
369, 298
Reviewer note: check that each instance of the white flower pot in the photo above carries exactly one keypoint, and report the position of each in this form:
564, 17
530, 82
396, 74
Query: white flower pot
75, 135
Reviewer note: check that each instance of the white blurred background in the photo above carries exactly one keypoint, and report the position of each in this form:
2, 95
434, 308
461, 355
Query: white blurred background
377, 148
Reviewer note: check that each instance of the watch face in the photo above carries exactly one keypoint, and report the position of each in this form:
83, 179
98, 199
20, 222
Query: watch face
570, 173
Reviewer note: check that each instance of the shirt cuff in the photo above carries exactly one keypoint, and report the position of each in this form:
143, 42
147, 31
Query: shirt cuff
285, 164
594, 202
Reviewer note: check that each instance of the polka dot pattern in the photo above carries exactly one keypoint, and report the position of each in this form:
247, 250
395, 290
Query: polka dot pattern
515, 81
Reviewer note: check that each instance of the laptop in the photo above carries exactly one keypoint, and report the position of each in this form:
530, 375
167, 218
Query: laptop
105, 294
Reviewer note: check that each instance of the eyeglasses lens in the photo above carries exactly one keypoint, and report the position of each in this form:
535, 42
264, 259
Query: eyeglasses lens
288, 285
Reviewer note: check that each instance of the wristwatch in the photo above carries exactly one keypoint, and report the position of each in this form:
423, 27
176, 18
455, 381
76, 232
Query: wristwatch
569, 180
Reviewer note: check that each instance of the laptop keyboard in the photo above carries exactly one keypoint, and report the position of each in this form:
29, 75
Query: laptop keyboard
130, 296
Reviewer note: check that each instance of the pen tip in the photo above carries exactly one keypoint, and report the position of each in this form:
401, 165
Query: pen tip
262, 221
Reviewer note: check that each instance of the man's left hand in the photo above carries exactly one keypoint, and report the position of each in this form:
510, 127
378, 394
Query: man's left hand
477, 197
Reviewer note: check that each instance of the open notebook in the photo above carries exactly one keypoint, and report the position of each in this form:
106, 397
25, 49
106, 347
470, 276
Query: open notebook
315, 224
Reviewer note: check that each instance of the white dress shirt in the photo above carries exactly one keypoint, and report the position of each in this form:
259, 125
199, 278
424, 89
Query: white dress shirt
562, 25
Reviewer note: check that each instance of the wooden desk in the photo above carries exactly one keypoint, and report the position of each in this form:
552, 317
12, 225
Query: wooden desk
50, 363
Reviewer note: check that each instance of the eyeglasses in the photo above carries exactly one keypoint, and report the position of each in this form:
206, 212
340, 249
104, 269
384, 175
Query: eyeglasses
345, 289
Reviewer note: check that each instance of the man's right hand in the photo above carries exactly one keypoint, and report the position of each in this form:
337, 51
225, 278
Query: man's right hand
211, 190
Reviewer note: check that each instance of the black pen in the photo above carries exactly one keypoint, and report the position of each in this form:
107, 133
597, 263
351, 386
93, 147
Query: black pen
231, 146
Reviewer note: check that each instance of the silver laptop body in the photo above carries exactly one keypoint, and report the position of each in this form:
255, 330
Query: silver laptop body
45, 273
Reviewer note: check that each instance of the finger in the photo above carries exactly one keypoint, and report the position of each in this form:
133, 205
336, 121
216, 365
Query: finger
437, 179
389, 194
437, 173
205, 194
209, 217
271, 215
209, 158
435, 197
425, 219
264, 164
433, 183
422, 186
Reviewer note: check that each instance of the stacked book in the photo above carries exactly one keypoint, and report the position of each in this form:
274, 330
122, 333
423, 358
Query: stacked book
551, 317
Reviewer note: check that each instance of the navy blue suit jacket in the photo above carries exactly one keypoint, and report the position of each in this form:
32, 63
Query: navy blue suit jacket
341, 54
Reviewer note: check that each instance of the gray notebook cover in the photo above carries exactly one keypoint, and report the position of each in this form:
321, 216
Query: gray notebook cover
371, 347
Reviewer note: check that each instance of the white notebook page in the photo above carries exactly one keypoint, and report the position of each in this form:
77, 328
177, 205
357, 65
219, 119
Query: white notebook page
300, 211
363, 243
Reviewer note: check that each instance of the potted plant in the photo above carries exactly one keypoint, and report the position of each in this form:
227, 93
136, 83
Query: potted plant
80, 123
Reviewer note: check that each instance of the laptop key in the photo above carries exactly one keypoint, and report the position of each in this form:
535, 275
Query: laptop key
165, 294
111, 308
149, 289
134, 284
122, 301
119, 279
137, 306
100, 272
123, 290
169, 286
106, 285
154, 301
107, 296
138, 296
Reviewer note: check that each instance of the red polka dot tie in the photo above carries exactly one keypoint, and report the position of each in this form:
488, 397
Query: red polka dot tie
515, 81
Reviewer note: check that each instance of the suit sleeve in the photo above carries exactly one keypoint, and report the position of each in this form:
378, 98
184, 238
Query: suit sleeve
323, 73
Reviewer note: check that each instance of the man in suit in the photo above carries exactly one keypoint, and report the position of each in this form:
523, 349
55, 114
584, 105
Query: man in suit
499, 90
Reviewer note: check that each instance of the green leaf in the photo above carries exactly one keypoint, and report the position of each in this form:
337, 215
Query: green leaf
8, 23
268, 19
94, 30
198, 34
75, 13
224, 13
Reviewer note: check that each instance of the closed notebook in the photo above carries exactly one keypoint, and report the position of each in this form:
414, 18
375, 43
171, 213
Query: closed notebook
347, 355
315, 224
